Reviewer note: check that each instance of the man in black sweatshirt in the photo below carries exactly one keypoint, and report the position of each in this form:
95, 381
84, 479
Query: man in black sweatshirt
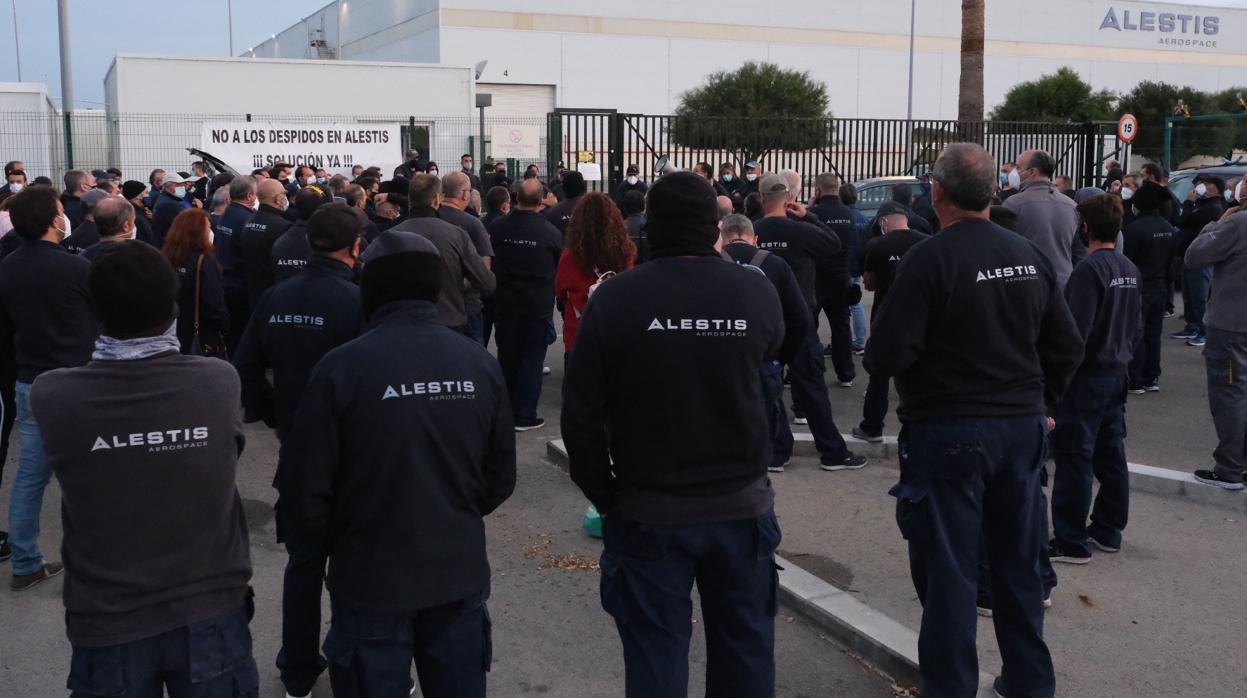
981, 344
1103, 296
144, 442
1204, 204
229, 245
832, 276
664, 417
291, 251
883, 255
260, 233
805, 246
295, 323
390, 469
526, 256
1148, 242
560, 214
45, 323
739, 245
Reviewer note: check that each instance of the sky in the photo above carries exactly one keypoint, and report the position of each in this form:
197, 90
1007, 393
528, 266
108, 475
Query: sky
101, 29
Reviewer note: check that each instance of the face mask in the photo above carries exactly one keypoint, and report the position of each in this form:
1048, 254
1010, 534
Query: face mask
1127, 193
1229, 195
467, 166
751, 176
632, 180
320, 180
433, 172
1241, 191
727, 178
67, 226
1201, 190
15, 187
211, 236
179, 192
255, 205
285, 204
1015, 179
1004, 178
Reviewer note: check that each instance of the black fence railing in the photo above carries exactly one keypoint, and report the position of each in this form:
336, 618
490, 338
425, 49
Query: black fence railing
854, 149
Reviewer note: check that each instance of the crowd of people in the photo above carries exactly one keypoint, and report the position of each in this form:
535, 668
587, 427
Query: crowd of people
141, 324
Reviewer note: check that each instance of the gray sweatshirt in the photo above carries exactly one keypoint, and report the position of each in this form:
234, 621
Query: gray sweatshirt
1223, 246
1048, 218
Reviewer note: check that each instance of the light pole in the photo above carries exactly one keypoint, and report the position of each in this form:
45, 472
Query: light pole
230, 10
909, 109
67, 82
17, 48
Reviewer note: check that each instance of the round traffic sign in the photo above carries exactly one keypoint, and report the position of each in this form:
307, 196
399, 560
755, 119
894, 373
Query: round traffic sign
1127, 127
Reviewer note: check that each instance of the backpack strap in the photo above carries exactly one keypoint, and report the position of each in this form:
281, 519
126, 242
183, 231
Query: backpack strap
759, 257
725, 255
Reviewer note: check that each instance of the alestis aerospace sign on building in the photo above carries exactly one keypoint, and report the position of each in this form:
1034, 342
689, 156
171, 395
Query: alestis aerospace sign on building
1166, 25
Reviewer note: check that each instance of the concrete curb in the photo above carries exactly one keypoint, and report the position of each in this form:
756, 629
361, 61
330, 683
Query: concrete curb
880, 640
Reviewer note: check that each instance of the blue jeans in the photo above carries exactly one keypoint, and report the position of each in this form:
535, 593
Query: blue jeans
26, 500
1087, 441
648, 574
208, 659
1195, 286
967, 482
370, 657
857, 312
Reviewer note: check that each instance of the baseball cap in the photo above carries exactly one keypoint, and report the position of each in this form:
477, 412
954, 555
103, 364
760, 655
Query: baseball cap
773, 184
753, 165
172, 177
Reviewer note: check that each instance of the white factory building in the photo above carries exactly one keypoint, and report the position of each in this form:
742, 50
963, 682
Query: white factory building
640, 55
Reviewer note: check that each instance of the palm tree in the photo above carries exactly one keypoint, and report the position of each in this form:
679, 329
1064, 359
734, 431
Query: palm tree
970, 100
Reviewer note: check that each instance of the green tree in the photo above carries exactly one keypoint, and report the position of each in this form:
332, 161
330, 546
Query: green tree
1062, 96
753, 110
1151, 102
1234, 101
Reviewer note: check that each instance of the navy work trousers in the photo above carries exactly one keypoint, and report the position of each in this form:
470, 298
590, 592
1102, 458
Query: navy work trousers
208, 659
1145, 367
809, 398
964, 480
1088, 441
522, 343
648, 574
371, 657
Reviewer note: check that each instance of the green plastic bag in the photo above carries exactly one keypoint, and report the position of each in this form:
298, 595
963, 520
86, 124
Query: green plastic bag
593, 522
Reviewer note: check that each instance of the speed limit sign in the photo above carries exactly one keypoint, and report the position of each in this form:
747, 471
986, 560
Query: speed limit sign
1127, 127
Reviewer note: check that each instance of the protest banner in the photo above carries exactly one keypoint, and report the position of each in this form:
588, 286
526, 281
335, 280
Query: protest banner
246, 146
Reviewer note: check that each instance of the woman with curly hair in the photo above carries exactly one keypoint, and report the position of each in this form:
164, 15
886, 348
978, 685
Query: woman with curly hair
597, 247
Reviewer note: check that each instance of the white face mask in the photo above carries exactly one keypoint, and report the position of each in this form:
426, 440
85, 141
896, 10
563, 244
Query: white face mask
67, 227
632, 179
467, 166
1240, 191
179, 192
1015, 179
1200, 189
1127, 193
15, 187
211, 236
751, 176
433, 172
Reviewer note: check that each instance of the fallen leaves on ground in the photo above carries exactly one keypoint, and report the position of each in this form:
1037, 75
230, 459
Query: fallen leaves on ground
569, 562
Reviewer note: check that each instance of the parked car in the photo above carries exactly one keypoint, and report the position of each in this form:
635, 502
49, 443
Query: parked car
872, 193
1182, 181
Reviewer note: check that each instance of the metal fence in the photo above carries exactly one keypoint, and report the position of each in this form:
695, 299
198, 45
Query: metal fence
854, 149
140, 143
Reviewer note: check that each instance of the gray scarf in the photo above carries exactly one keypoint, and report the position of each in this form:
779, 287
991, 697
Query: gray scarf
112, 349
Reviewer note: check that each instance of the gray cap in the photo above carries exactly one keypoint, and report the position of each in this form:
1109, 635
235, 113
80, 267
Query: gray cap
397, 242
1086, 193
773, 184
91, 197
172, 177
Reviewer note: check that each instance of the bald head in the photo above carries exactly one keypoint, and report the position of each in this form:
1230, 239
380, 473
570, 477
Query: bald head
965, 179
793, 178
828, 184
725, 206
530, 194
456, 190
114, 217
270, 192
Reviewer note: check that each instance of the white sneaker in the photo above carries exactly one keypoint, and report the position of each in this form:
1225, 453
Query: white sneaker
545, 371
800, 421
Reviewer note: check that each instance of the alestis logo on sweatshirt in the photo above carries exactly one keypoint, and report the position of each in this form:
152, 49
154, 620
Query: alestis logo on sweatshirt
155, 441
1021, 272
701, 327
433, 390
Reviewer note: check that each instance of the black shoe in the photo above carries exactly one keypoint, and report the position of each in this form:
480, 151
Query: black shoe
827, 350
1060, 553
22, 582
5, 551
860, 433
526, 424
1210, 477
852, 461
998, 687
859, 352
1103, 546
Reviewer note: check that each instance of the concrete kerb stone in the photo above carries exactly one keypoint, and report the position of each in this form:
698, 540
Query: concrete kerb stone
880, 640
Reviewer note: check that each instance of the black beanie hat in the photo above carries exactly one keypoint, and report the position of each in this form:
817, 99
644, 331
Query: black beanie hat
132, 189
681, 216
399, 266
334, 227
133, 290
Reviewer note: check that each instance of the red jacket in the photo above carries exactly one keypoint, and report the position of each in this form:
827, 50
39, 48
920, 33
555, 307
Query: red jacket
571, 288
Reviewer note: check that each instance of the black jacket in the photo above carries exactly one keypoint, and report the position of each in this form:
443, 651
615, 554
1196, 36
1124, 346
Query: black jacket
229, 245
975, 326
142, 226
526, 257
166, 209
1149, 244
805, 246
45, 309
293, 325
1195, 215
663, 396
636, 232
560, 214
75, 210
213, 315
1104, 299
258, 236
796, 312
393, 463
290, 252
82, 237
622, 190
833, 274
